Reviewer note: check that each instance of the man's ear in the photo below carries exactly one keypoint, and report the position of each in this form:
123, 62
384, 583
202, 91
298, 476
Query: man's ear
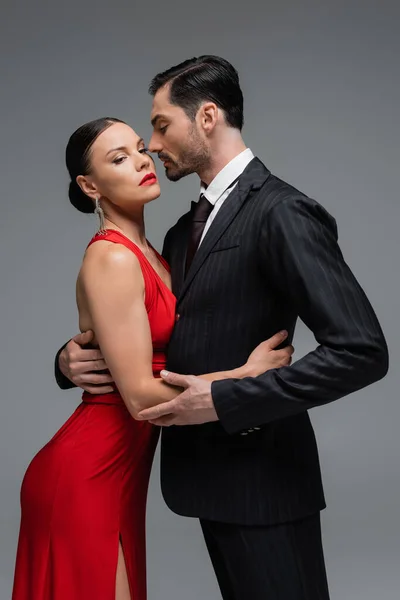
208, 116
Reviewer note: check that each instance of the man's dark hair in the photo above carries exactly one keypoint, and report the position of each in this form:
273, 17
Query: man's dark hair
202, 79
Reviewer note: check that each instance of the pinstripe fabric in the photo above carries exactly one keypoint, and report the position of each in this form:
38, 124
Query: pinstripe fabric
270, 256
282, 562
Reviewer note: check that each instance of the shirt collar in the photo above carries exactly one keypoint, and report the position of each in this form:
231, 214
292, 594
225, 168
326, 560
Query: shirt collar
227, 176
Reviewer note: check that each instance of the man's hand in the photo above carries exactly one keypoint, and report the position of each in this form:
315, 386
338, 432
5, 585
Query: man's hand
193, 406
81, 365
265, 357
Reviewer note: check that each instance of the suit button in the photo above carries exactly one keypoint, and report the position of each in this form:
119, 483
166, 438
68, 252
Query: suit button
177, 317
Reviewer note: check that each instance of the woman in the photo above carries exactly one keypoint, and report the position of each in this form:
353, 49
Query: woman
83, 496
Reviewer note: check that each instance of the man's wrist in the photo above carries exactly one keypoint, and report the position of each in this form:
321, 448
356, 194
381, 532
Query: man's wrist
62, 381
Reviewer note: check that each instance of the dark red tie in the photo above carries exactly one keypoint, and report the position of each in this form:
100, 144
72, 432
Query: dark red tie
201, 213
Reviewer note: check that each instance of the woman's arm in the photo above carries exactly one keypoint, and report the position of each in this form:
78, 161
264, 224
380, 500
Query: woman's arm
112, 283
113, 287
263, 358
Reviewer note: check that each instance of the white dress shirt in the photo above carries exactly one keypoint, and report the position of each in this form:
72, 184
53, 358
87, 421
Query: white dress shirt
222, 185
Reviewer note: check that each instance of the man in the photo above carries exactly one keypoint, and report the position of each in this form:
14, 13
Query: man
252, 256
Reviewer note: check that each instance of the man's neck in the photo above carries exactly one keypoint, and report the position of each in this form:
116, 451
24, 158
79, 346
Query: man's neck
225, 149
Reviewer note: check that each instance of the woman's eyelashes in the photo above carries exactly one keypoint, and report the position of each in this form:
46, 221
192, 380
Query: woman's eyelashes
120, 159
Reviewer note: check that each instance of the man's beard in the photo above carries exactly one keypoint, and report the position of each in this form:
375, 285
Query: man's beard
195, 157
177, 170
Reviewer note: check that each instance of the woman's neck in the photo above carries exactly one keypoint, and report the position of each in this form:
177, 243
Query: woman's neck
132, 226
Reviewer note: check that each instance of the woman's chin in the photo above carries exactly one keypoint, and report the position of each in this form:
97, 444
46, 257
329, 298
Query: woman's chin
153, 192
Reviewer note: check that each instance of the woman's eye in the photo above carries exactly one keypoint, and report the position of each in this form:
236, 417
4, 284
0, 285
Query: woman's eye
163, 129
119, 160
143, 150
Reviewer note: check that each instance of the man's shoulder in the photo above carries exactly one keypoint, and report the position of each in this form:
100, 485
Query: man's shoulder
277, 190
279, 195
270, 187
181, 222
280, 203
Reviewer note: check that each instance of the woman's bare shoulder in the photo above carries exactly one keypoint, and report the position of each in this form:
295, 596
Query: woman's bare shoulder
110, 262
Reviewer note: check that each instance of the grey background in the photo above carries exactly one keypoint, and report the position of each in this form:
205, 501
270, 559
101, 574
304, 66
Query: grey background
322, 93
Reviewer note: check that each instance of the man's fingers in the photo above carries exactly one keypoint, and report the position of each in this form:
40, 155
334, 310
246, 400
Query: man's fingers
93, 355
166, 421
284, 356
83, 338
96, 378
73, 352
78, 354
155, 412
175, 379
277, 339
98, 365
98, 389
87, 366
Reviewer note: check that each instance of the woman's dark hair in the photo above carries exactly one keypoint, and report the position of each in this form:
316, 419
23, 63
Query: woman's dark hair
200, 80
77, 158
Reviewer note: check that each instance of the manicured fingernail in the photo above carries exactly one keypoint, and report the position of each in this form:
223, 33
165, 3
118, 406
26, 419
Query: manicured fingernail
283, 332
164, 373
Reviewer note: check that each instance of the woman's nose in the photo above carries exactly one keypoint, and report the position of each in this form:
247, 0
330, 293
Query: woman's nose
143, 161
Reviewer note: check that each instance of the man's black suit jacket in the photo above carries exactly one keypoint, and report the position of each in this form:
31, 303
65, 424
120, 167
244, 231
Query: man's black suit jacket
269, 257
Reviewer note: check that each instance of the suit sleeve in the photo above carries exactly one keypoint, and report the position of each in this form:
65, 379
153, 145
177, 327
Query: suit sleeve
299, 253
63, 382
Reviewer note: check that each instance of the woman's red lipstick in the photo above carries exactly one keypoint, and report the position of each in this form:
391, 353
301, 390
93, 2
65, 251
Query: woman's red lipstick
148, 179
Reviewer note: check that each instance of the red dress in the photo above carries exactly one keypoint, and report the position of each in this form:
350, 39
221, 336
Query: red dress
86, 489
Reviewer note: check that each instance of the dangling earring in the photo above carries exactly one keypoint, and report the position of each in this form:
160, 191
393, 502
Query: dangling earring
100, 213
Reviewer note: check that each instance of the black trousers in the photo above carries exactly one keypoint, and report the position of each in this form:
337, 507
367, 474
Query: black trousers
280, 562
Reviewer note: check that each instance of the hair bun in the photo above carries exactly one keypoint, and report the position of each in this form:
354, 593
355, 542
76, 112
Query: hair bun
78, 159
79, 199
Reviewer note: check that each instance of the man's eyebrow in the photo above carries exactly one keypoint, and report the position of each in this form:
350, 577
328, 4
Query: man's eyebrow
156, 118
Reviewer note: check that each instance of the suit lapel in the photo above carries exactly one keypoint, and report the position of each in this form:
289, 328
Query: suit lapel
180, 246
251, 180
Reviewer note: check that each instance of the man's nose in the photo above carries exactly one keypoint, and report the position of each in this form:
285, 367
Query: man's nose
154, 145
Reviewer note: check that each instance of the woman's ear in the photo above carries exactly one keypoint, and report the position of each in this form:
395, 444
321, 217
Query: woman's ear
87, 186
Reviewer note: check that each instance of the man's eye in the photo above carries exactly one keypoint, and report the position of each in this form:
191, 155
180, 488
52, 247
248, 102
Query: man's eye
163, 129
119, 160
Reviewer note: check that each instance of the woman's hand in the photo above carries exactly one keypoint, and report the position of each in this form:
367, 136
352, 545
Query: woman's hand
264, 357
